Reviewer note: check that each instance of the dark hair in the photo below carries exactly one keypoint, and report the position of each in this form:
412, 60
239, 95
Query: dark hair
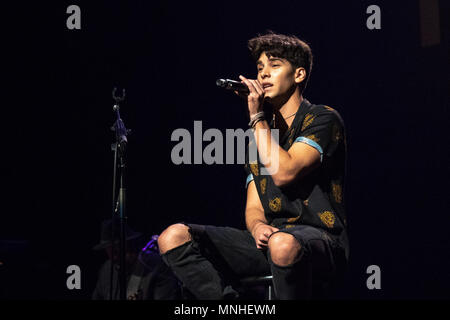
291, 48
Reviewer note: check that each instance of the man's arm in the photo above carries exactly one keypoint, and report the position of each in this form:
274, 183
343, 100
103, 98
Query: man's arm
294, 163
254, 218
283, 166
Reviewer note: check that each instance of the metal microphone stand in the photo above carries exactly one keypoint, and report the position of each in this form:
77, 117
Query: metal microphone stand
119, 147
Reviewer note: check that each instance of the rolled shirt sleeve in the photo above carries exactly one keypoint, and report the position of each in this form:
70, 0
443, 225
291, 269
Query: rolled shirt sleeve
321, 130
249, 179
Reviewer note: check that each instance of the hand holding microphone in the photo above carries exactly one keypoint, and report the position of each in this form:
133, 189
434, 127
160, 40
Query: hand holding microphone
252, 90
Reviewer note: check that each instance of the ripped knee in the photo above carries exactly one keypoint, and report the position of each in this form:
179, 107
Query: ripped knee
284, 248
174, 236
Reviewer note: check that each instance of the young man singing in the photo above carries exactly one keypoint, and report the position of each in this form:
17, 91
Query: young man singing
295, 217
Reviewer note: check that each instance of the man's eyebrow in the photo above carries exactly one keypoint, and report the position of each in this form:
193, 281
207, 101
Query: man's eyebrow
271, 59
275, 59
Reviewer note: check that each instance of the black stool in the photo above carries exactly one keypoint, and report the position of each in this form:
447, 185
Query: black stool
265, 281
243, 284
320, 290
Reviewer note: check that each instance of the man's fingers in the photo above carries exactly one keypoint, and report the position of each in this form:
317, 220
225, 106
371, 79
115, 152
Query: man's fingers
263, 237
249, 84
261, 244
258, 87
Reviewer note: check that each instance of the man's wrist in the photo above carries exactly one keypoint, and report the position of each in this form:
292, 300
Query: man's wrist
252, 114
256, 225
255, 118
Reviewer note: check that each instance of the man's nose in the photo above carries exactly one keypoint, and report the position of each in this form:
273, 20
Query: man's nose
265, 74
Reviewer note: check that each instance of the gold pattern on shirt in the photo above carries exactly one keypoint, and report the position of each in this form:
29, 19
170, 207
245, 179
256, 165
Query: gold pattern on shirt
329, 108
291, 131
254, 168
313, 138
336, 188
291, 135
291, 220
263, 184
327, 218
275, 204
309, 118
289, 226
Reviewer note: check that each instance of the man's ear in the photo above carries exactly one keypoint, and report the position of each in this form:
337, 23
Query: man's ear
300, 75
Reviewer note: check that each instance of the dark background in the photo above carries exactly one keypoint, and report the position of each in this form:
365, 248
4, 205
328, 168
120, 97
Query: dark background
392, 92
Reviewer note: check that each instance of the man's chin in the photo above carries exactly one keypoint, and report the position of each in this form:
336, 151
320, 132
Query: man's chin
267, 98
273, 100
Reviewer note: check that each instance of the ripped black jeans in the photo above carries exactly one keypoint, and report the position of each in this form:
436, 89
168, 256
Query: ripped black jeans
217, 257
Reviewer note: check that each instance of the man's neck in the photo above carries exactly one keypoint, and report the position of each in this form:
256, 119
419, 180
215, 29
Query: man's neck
284, 112
291, 105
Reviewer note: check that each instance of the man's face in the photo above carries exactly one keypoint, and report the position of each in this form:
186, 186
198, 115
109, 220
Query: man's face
276, 75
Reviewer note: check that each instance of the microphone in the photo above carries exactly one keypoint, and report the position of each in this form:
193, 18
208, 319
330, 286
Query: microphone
232, 85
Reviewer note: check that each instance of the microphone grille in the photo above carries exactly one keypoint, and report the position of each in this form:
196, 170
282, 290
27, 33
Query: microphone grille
221, 82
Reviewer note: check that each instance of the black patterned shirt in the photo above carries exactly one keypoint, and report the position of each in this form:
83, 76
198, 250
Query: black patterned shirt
316, 199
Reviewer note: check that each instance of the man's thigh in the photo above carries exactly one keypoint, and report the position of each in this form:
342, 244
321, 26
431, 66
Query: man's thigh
231, 248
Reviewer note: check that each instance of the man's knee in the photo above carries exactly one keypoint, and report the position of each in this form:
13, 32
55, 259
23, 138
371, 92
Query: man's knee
174, 236
284, 249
